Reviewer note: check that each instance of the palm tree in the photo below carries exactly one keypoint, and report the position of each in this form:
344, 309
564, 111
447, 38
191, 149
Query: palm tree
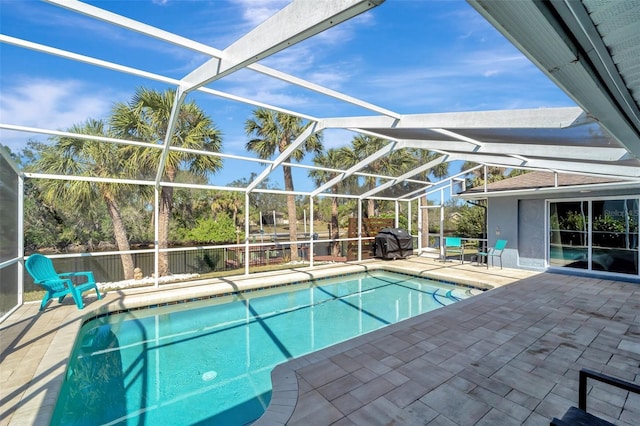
146, 118
392, 164
273, 132
331, 159
477, 177
81, 157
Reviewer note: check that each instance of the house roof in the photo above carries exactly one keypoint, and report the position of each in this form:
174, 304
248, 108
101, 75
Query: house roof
541, 181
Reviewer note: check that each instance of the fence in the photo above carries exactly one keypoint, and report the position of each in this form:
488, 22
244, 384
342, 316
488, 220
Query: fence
108, 267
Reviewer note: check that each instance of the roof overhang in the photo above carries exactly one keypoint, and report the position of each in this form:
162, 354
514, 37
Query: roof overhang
630, 187
588, 48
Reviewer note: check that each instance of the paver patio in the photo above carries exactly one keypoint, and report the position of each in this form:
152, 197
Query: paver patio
510, 356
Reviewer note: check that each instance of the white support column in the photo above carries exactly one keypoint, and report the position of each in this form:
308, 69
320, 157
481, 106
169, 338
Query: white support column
409, 216
156, 235
359, 233
420, 230
484, 174
20, 253
311, 231
442, 253
397, 222
246, 233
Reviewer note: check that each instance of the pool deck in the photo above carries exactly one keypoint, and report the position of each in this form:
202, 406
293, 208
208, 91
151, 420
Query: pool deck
509, 356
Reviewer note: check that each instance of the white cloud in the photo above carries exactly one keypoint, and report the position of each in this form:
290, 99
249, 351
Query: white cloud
50, 104
256, 12
489, 63
345, 31
294, 60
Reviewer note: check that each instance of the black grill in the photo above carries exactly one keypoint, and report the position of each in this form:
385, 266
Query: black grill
393, 243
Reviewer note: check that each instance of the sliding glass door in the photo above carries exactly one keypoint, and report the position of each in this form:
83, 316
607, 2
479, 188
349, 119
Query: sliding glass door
615, 236
598, 235
569, 237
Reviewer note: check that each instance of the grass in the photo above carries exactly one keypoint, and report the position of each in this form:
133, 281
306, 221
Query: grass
33, 296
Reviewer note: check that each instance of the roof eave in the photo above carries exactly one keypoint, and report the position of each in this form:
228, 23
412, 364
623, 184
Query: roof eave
581, 189
544, 34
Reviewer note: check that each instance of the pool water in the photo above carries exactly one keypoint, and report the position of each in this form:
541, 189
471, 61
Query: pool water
210, 362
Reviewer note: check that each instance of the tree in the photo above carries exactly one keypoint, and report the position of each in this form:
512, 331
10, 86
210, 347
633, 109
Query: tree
494, 174
210, 230
82, 157
146, 118
471, 223
274, 132
331, 159
392, 164
439, 172
229, 203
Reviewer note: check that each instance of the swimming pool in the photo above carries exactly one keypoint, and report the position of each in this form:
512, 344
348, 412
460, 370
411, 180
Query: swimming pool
210, 361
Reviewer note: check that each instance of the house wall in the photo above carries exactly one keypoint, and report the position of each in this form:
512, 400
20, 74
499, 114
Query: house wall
532, 248
502, 224
521, 219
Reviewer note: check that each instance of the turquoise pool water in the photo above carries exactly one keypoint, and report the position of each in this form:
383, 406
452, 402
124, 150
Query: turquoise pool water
209, 362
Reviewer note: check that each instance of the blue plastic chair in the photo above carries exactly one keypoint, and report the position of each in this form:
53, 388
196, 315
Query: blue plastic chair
453, 245
493, 252
58, 285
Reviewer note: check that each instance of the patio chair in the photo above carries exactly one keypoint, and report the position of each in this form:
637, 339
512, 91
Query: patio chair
579, 415
493, 252
453, 245
58, 285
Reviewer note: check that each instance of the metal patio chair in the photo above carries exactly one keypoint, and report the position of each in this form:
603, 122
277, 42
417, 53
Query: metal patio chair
579, 415
493, 252
453, 245
58, 285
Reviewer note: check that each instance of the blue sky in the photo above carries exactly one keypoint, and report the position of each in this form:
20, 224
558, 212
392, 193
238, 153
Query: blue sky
410, 56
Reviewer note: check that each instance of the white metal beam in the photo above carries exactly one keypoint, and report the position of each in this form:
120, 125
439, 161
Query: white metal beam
171, 126
373, 157
548, 118
177, 40
140, 73
77, 135
607, 169
294, 23
399, 179
550, 151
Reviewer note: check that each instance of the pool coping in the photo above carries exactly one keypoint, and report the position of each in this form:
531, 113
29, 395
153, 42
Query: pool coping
221, 291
